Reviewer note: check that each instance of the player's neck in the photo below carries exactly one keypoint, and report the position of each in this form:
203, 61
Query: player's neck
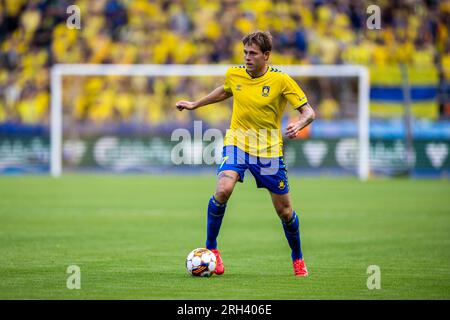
258, 73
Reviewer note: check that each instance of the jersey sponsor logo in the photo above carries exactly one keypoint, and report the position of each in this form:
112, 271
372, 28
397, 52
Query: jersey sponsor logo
265, 91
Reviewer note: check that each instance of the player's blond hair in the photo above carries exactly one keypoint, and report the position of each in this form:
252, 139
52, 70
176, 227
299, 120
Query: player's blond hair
263, 39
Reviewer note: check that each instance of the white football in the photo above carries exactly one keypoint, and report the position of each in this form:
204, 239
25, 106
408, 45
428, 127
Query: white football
201, 262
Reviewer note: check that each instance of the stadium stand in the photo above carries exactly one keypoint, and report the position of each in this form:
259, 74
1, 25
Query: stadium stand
34, 36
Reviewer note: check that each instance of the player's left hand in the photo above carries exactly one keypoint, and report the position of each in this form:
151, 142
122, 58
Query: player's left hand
292, 130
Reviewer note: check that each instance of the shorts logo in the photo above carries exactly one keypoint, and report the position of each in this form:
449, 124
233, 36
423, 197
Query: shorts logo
265, 91
223, 161
281, 185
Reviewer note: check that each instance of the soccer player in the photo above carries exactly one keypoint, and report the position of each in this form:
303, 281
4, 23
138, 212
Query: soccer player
254, 140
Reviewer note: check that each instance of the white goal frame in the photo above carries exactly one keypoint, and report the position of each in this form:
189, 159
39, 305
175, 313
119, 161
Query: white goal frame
60, 70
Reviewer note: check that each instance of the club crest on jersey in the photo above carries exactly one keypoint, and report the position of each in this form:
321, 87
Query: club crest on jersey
265, 91
238, 87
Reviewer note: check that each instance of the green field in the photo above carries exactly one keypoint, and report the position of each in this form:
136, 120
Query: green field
130, 236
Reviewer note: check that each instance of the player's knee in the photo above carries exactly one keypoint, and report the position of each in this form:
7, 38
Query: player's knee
223, 193
285, 212
224, 189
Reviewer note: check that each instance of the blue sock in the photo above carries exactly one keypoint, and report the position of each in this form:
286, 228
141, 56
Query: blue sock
292, 233
216, 211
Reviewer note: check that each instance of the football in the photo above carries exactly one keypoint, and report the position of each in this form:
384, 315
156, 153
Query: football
201, 262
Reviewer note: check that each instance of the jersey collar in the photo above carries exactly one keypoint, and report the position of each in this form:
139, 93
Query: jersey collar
267, 70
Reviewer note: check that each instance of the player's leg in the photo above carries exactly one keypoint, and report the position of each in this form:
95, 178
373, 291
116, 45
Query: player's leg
225, 185
231, 170
216, 210
217, 204
289, 219
271, 173
291, 227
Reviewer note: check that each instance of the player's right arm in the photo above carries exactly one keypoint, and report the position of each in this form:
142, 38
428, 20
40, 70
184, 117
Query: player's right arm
218, 94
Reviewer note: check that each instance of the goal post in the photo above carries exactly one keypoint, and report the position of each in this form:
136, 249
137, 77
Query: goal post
58, 71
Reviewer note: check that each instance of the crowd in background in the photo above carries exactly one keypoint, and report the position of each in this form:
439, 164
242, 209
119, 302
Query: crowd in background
34, 36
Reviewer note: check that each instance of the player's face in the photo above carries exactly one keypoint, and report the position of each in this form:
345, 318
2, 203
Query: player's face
255, 59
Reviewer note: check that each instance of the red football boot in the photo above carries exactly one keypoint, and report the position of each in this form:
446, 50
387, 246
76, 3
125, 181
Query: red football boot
220, 269
300, 268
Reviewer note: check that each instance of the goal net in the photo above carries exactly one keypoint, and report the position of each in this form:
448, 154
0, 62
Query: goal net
122, 118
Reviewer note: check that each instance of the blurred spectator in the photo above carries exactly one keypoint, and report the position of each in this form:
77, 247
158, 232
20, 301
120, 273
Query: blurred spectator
116, 17
34, 36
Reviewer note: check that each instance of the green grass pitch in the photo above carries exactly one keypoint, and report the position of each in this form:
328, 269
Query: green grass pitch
130, 236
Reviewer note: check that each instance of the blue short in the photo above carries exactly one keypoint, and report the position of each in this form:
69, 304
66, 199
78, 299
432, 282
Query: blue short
269, 173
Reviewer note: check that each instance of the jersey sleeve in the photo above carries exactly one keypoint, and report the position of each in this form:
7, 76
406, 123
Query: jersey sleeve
227, 83
293, 93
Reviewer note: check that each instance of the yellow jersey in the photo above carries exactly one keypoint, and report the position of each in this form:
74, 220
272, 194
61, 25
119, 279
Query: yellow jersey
258, 105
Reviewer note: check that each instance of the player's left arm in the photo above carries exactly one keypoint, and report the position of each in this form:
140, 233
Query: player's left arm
307, 115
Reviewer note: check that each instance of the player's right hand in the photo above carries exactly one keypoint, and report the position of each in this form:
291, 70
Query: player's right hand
181, 105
